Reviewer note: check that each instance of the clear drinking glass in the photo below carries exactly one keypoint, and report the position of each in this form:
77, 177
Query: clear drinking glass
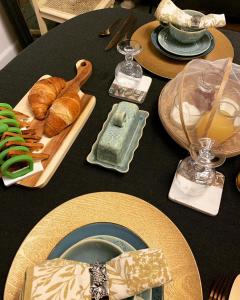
128, 72
208, 83
196, 172
224, 124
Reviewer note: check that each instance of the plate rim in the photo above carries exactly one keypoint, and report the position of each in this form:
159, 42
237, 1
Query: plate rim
51, 254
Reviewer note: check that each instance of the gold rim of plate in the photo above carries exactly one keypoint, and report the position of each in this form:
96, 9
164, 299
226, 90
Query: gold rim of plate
145, 220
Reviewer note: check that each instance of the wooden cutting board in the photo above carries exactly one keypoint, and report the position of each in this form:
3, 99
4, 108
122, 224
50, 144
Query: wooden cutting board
58, 146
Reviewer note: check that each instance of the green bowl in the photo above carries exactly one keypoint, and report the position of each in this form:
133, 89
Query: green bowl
187, 36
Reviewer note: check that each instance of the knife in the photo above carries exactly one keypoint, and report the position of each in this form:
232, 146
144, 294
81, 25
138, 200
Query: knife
123, 28
129, 31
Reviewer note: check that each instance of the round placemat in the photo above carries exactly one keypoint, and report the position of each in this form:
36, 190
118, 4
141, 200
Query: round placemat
145, 220
152, 60
165, 103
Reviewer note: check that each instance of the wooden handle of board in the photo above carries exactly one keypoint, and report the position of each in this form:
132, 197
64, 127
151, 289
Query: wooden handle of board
84, 71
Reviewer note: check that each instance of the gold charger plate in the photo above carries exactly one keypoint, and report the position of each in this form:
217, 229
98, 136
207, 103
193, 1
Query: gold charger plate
152, 60
142, 218
165, 102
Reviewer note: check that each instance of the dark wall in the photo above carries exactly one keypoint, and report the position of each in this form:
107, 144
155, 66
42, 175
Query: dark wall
16, 18
231, 8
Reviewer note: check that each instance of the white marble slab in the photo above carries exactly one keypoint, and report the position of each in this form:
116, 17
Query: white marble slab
205, 199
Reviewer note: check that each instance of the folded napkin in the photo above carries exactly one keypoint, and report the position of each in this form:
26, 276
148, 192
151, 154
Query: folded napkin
168, 12
126, 275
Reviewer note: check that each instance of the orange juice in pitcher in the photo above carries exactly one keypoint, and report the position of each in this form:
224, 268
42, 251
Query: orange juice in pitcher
220, 129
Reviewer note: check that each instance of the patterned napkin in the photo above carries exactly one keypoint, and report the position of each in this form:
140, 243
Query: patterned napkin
128, 274
168, 12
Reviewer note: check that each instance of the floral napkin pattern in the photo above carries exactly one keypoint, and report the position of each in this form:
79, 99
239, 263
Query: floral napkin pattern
128, 274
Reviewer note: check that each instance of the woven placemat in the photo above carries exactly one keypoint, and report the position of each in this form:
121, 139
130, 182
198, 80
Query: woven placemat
152, 60
76, 7
143, 219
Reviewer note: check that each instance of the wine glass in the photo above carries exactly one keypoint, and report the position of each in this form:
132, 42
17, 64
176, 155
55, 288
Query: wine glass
128, 73
208, 83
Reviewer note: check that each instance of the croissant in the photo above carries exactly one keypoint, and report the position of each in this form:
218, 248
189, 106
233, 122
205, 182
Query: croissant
43, 93
62, 113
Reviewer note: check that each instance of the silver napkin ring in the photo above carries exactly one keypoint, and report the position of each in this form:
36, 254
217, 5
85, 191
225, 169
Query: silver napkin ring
98, 281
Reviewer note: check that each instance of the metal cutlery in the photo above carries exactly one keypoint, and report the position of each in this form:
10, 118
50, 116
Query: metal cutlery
238, 181
129, 31
107, 31
122, 30
221, 288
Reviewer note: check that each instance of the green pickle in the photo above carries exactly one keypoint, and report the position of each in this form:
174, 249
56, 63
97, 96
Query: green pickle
10, 124
5, 105
7, 113
13, 160
3, 128
4, 153
9, 139
14, 130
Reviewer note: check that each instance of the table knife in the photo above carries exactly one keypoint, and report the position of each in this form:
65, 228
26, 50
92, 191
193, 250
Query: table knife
123, 28
129, 31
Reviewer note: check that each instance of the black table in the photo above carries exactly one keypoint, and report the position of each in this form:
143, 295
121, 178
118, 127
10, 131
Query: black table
214, 241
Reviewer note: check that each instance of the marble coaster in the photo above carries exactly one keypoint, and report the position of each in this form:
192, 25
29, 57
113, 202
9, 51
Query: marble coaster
136, 94
37, 167
207, 200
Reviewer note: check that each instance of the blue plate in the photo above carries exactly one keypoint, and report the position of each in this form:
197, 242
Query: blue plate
102, 228
125, 246
154, 39
173, 46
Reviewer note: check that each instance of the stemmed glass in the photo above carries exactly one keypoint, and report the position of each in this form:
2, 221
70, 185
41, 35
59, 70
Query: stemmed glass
199, 168
128, 72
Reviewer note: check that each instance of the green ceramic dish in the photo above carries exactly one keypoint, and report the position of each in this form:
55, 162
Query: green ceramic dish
185, 35
173, 46
136, 134
154, 39
92, 251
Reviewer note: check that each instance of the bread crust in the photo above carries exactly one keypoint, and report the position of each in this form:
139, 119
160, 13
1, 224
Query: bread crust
43, 93
63, 112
